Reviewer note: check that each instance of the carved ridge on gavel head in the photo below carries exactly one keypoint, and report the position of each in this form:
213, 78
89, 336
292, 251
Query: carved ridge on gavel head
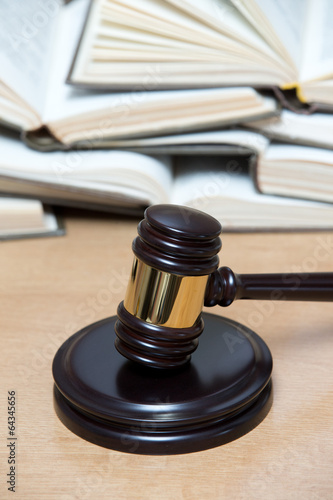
175, 273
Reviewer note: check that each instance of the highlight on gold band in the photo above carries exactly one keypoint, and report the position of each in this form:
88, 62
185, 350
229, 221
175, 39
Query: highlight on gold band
162, 298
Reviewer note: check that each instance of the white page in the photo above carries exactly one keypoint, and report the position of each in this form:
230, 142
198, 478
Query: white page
201, 48
17, 115
17, 213
224, 17
115, 171
113, 35
318, 41
19, 216
318, 91
285, 17
64, 101
204, 179
227, 46
299, 153
26, 31
142, 120
60, 96
14, 110
100, 32
251, 140
297, 171
296, 178
150, 75
317, 127
161, 16
120, 50
158, 17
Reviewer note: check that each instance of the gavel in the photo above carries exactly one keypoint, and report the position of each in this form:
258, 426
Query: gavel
175, 273
137, 382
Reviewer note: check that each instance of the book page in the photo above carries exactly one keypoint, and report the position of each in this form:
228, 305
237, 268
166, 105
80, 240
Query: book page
300, 154
141, 177
121, 37
251, 140
198, 180
155, 113
16, 213
110, 35
63, 100
317, 61
319, 91
224, 17
187, 20
280, 21
20, 217
302, 172
314, 129
109, 41
26, 31
15, 112
165, 18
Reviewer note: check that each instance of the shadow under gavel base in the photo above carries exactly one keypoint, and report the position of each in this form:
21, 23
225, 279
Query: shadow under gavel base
221, 394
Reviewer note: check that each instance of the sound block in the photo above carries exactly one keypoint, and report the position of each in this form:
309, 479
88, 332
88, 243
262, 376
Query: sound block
220, 395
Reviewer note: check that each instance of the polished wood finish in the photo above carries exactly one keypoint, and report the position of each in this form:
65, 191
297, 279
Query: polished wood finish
178, 240
224, 286
155, 345
218, 397
52, 287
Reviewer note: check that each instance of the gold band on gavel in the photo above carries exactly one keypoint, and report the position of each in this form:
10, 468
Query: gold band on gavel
164, 299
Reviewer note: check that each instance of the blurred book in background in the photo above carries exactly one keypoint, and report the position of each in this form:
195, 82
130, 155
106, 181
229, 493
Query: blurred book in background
22, 218
163, 100
265, 43
207, 171
35, 58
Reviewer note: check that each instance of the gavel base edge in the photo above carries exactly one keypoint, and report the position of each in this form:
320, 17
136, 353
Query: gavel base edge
220, 395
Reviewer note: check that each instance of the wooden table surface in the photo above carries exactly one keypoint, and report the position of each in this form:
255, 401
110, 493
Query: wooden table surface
52, 287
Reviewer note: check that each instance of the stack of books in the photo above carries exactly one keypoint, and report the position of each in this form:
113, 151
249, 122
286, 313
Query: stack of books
220, 105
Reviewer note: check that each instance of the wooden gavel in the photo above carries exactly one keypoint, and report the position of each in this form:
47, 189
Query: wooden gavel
146, 405
175, 272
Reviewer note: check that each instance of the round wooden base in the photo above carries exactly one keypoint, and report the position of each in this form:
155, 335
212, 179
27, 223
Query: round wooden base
220, 395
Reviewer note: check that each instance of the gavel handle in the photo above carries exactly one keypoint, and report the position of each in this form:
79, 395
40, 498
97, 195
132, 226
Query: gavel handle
224, 286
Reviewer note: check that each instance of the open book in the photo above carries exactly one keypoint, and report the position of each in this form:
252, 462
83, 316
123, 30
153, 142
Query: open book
127, 181
22, 218
276, 168
207, 43
37, 42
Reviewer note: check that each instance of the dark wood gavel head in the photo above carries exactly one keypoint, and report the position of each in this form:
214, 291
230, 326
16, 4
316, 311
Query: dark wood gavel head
160, 320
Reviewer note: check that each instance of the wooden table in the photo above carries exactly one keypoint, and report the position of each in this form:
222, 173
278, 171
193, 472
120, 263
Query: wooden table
52, 287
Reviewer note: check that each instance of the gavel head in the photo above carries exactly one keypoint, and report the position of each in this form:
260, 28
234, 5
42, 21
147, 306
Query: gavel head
159, 321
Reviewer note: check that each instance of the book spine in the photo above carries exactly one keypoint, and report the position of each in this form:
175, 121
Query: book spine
42, 139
